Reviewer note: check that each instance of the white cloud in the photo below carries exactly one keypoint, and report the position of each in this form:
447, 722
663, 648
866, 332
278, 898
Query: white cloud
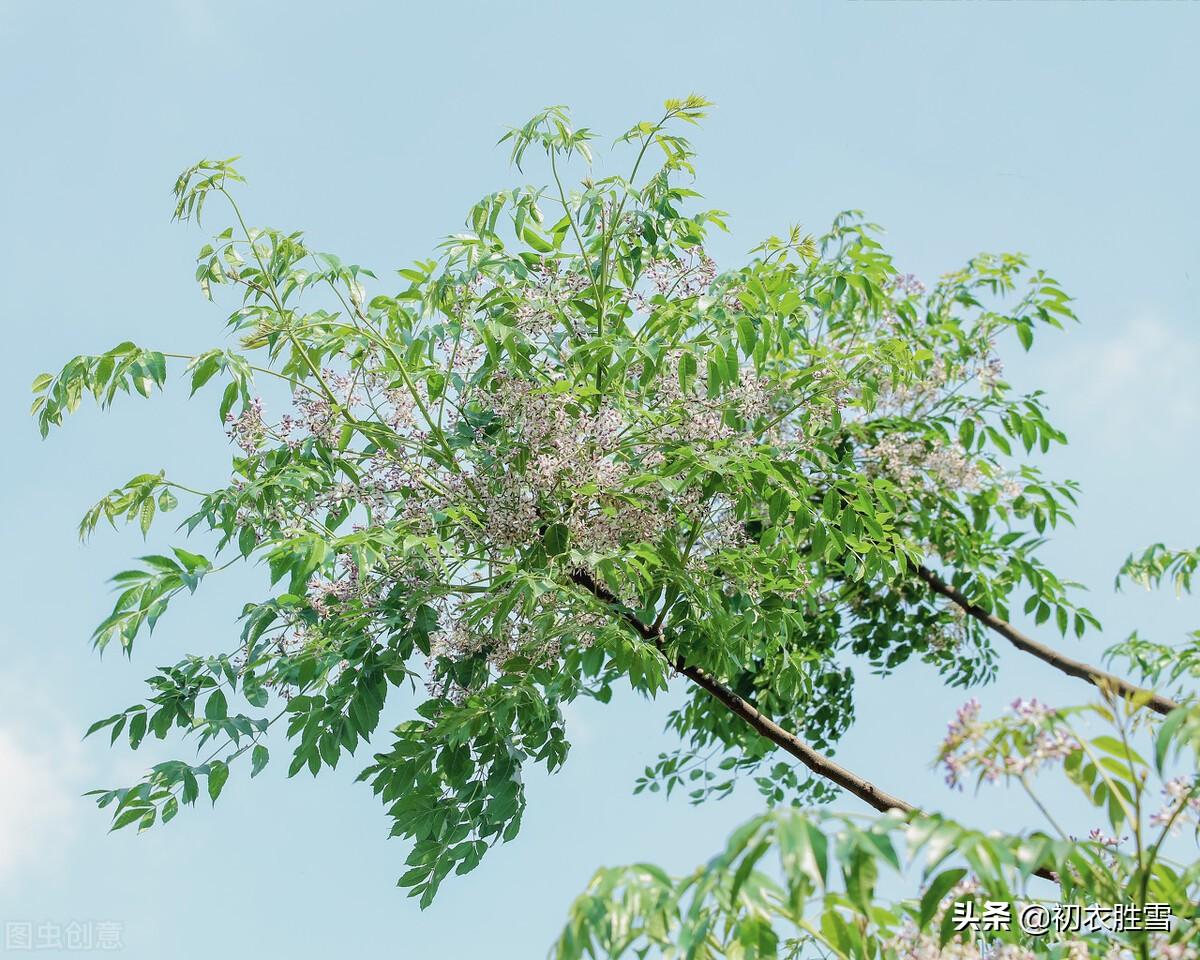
45, 768
196, 18
40, 783
1141, 381
580, 729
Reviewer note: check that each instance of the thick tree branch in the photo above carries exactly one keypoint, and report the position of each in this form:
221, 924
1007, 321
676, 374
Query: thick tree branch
817, 762
1067, 665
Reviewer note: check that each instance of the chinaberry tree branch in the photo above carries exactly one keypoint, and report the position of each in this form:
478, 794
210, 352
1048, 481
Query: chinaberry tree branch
1075, 668
817, 762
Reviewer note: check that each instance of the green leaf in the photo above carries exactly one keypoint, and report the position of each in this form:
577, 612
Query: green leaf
218, 773
216, 709
747, 335
556, 539
147, 515
259, 758
936, 891
966, 433
534, 240
101, 724
1162, 742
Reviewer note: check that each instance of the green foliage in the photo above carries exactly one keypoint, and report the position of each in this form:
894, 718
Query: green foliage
124, 367
1161, 664
821, 896
145, 594
138, 500
1157, 563
751, 460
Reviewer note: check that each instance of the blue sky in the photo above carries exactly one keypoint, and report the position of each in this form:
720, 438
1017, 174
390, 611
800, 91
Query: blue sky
1067, 131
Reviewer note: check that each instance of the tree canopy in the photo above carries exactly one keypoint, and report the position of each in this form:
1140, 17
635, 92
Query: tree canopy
569, 452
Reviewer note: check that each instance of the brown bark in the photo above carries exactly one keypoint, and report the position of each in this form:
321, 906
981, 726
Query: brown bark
817, 762
1067, 665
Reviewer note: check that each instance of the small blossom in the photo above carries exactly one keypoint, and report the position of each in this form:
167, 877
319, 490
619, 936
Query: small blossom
907, 285
1031, 711
247, 429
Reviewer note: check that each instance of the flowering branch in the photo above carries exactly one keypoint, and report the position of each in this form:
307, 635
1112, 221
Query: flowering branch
472, 465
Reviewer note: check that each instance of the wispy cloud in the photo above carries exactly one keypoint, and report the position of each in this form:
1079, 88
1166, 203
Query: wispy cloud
1141, 379
41, 776
196, 18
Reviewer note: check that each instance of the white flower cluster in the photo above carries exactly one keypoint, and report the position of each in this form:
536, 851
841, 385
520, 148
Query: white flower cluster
1048, 747
457, 640
318, 418
688, 276
247, 429
912, 944
1163, 949
575, 460
907, 285
320, 412
348, 585
1031, 711
723, 529
367, 494
1182, 806
964, 728
911, 398
925, 464
543, 298
944, 377
966, 746
691, 416
990, 372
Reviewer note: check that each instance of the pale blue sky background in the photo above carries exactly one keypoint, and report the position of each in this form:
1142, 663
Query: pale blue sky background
1068, 131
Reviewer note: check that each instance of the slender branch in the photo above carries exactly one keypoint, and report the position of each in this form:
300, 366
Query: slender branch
1024, 781
1075, 668
273, 373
